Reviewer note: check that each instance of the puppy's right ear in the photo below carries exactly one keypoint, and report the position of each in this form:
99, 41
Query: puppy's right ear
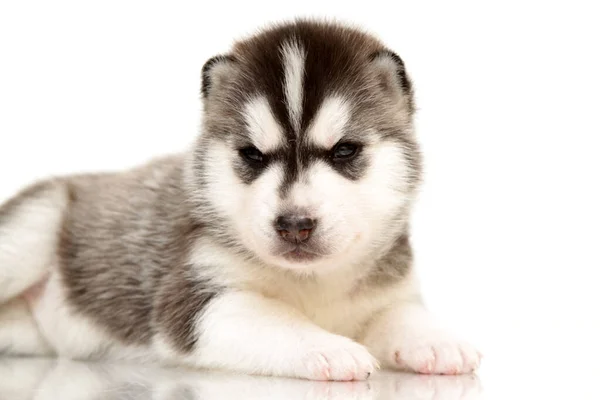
215, 72
393, 76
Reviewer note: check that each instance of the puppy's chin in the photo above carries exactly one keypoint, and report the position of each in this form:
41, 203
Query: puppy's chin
300, 255
296, 259
286, 256
310, 259
301, 260
303, 264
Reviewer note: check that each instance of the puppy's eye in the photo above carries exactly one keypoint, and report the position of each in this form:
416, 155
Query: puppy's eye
252, 155
344, 151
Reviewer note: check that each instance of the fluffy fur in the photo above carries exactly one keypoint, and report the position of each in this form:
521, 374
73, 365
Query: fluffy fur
180, 261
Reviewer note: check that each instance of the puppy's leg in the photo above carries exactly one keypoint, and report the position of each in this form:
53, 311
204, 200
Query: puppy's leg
246, 332
19, 333
407, 337
29, 229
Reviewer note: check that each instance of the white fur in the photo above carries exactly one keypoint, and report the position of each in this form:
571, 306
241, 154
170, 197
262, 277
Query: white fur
293, 63
347, 230
69, 334
406, 336
20, 378
19, 334
291, 327
70, 380
28, 241
284, 320
352, 228
264, 131
251, 208
277, 340
330, 123
386, 177
272, 302
325, 301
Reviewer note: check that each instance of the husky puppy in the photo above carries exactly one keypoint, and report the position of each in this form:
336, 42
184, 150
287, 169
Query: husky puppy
277, 244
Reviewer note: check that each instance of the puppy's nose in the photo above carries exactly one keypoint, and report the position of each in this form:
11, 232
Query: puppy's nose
295, 229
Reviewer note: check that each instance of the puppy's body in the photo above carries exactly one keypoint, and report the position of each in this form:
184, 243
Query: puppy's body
278, 244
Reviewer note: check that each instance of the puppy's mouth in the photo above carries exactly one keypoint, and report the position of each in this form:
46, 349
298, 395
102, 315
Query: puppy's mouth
300, 254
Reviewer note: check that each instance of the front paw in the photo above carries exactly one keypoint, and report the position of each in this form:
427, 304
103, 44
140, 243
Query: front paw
435, 353
337, 359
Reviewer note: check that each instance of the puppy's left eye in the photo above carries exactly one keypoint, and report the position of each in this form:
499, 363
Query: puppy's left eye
252, 154
344, 151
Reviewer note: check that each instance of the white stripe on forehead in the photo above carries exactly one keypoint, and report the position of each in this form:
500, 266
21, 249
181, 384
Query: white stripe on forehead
264, 131
293, 65
330, 122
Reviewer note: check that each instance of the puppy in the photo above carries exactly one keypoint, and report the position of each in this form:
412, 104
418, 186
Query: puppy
277, 244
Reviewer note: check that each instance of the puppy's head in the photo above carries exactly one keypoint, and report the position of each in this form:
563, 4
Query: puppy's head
306, 158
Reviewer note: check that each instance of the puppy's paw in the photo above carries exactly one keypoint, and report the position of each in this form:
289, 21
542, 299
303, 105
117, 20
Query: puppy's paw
337, 359
435, 352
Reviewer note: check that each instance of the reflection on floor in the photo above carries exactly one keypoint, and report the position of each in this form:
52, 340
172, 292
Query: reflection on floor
67, 380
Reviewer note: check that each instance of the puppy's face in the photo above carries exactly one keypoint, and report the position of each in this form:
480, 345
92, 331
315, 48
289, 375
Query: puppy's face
307, 158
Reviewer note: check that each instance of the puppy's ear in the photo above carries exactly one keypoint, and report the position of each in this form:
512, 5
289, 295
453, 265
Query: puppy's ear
392, 74
215, 72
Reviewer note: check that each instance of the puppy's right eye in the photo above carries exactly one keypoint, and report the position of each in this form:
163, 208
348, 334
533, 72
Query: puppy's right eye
252, 155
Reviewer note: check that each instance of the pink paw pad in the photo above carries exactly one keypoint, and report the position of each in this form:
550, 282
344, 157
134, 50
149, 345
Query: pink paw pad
426, 368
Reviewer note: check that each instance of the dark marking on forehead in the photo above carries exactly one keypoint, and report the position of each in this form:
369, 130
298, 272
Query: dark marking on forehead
336, 59
263, 74
291, 170
332, 66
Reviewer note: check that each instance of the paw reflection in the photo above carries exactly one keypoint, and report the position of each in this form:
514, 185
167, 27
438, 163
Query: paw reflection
430, 387
69, 380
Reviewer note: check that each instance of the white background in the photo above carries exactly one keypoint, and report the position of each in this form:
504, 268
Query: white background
506, 231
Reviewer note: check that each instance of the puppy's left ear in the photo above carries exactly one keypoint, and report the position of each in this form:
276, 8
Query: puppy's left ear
215, 74
392, 74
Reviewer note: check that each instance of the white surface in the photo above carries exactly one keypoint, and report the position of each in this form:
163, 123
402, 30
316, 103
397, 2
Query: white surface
506, 229
67, 380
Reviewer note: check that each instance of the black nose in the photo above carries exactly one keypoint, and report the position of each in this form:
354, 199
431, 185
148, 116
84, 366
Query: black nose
295, 229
